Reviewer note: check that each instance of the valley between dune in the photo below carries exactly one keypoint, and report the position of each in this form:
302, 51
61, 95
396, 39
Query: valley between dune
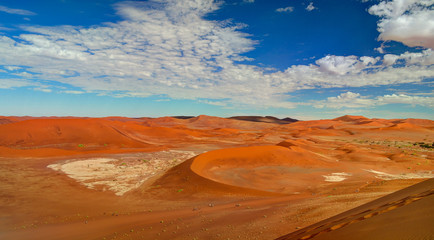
202, 177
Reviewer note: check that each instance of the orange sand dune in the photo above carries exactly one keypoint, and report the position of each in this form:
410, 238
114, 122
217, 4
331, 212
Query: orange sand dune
118, 134
419, 122
265, 168
163, 121
181, 182
68, 132
405, 214
357, 154
349, 118
405, 125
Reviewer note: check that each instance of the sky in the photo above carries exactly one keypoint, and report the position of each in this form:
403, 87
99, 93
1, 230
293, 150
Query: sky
305, 59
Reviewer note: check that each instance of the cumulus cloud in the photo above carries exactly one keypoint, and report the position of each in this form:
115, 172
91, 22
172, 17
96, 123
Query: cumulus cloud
16, 11
310, 7
426, 57
168, 48
286, 9
355, 100
406, 99
408, 21
344, 65
345, 100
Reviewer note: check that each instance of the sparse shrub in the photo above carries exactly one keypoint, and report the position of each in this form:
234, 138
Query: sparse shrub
426, 145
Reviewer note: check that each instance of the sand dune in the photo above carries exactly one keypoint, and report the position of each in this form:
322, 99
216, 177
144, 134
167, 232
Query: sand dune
48, 132
266, 168
405, 214
349, 118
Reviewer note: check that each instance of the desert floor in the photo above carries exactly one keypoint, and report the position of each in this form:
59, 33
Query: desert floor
210, 178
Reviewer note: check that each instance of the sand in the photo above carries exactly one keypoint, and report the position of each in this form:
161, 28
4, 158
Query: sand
212, 178
405, 214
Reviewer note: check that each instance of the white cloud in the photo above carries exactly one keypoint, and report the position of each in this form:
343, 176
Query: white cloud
16, 11
215, 103
168, 48
355, 100
5, 28
408, 21
9, 83
345, 100
46, 90
426, 57
310, 7
406, 99
73, 92
390, 59
12, 68
249, 1
24, 75
344, 65
286, 9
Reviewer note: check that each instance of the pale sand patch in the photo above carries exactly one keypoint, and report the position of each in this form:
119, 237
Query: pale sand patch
120, 175
336, 177
388, 176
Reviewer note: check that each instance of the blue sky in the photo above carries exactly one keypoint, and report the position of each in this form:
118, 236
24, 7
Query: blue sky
302, 59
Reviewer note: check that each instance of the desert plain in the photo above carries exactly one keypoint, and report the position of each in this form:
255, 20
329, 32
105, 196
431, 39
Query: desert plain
216, 178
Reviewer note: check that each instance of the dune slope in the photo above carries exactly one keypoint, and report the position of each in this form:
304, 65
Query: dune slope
405, 214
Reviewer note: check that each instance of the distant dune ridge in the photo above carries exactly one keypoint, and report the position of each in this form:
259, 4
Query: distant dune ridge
120, 134
267, 119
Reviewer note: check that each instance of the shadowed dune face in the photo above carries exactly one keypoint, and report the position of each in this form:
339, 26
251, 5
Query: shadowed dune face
265, 168
348, 118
